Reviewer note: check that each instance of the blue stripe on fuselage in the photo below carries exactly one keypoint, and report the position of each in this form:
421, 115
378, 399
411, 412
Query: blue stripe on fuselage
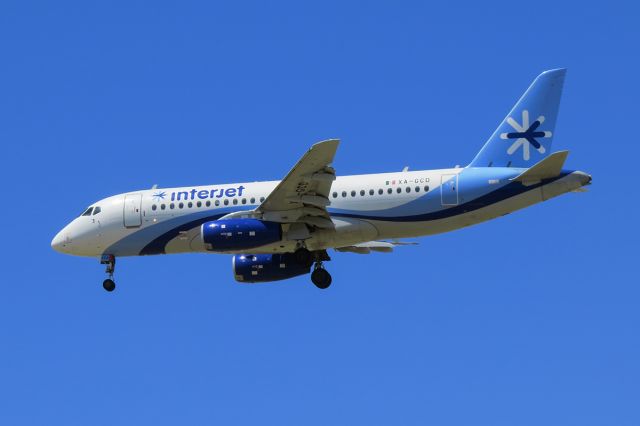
474, 190
472, 183
153, 239
159, 244
509, 190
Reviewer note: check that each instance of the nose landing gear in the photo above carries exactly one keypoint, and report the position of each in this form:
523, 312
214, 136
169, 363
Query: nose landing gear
110, 261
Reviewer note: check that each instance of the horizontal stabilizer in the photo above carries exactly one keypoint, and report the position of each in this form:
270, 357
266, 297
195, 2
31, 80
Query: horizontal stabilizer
547, 168
581, 189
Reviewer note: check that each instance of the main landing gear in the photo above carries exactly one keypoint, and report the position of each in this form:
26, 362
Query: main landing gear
304, 256
319, 277
110, 261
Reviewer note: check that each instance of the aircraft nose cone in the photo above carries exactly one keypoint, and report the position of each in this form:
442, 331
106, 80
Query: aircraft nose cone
60, 242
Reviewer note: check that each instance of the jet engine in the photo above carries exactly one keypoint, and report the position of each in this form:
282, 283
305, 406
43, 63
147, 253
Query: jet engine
258, 268
239, 234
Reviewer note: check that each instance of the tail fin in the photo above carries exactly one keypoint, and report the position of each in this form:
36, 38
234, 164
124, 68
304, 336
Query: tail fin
519, 142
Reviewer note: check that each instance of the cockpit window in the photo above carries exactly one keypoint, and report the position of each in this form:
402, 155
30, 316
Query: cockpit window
96, 210
87, 212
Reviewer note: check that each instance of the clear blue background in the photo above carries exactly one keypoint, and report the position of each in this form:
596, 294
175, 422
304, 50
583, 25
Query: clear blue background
530, 319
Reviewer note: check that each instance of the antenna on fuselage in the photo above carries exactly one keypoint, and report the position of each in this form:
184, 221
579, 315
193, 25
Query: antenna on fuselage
406, 169
155, 186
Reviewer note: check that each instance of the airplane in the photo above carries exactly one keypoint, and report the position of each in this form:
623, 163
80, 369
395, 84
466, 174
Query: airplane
282, 229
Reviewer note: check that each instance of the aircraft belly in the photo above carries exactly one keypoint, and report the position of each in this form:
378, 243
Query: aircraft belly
347, 231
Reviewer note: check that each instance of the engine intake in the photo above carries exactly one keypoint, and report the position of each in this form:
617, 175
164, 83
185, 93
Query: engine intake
239, 234
258, 268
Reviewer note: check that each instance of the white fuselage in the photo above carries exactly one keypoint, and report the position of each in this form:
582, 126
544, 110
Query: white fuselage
363, 208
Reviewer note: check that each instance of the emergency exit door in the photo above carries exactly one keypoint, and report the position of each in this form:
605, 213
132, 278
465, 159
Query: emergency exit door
449, 190
132, 210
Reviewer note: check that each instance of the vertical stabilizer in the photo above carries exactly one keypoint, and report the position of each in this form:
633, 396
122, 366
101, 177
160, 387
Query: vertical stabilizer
524, 137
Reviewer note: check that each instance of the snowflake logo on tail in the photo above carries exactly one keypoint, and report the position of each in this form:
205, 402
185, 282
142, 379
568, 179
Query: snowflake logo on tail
525, 135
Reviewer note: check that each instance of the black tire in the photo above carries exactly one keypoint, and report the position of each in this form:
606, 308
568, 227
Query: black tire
303, 256
109, 285
321, 278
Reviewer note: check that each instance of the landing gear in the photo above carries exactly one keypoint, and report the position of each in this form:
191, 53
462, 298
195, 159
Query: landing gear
320, 277
110, 261
303, 256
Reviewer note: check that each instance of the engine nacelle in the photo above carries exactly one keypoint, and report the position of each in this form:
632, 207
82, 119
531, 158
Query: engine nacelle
239, 234
259, 268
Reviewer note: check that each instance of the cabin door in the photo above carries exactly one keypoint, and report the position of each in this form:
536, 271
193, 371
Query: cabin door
132, 210
449, 190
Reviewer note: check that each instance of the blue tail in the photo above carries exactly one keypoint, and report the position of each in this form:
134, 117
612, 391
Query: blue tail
524, 137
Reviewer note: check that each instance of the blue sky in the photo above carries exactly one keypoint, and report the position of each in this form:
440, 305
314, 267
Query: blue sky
530, 319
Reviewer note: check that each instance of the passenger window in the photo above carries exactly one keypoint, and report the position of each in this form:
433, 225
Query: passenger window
244, 201
235, 201
261, 199
380, 191
87, 212
344, 194
172, 206
335, 195
154, 207
399, 190
426, 188
253, 200
208, 203
353, 193
190, 205
199, 204
217, 203
96, 210
417, 189
181, 205
371, 192
226, 202
162, 206
362, 192
408, 190
389, 191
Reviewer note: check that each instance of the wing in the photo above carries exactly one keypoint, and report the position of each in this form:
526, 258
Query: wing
303, 195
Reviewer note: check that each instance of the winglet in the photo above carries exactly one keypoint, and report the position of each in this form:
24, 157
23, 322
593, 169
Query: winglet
328, 146
546, 168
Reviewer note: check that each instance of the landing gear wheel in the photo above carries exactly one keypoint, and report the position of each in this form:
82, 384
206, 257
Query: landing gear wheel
321, 278
303, 256
109, 284
110, 261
